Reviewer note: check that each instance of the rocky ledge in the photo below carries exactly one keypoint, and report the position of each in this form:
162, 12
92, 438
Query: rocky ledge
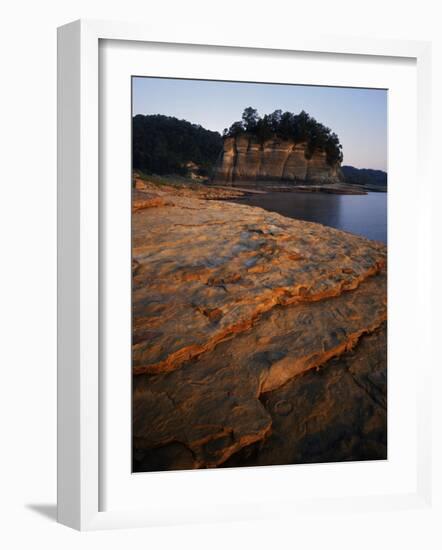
257, 339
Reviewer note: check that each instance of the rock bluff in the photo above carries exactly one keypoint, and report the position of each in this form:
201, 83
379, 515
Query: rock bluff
245, 158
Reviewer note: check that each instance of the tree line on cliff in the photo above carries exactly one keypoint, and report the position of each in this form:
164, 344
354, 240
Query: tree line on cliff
166, 145
300, 128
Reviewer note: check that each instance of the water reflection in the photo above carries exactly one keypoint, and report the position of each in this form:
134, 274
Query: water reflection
364, 215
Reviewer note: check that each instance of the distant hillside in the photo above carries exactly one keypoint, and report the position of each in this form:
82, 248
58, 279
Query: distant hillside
167, 145
364, 176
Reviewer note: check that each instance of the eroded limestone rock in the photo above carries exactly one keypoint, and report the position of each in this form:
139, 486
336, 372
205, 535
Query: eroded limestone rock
237, 314
337, 413
207, 270
212, 405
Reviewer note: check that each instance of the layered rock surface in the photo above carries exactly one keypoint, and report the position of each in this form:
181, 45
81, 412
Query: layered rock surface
244, 158
336, 413
234, 311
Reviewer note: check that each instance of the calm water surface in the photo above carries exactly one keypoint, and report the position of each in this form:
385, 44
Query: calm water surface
364, 215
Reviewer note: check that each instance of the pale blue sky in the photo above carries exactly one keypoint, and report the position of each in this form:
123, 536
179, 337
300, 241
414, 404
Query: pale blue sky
358, 116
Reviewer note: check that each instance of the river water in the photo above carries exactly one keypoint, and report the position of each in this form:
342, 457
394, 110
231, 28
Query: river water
364, 215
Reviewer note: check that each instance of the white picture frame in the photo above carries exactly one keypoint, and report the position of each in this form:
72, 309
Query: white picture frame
80, 394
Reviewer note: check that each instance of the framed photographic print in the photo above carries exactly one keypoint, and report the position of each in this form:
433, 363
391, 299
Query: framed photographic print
226, 213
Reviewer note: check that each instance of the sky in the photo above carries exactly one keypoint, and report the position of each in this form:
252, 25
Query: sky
357, 115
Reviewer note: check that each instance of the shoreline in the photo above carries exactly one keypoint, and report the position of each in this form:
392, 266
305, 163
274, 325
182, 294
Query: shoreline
341, 188
363, 215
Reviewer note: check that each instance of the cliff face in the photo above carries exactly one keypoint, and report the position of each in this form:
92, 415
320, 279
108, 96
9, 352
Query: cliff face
244, 158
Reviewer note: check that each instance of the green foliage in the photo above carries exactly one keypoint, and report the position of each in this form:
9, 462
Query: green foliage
235, 130
250, 119
165, 145
301, 128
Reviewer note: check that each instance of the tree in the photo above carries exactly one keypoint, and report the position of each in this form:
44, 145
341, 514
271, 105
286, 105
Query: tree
275, 120
264, 129
285, 127
301, 126
250, 119
236, 129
